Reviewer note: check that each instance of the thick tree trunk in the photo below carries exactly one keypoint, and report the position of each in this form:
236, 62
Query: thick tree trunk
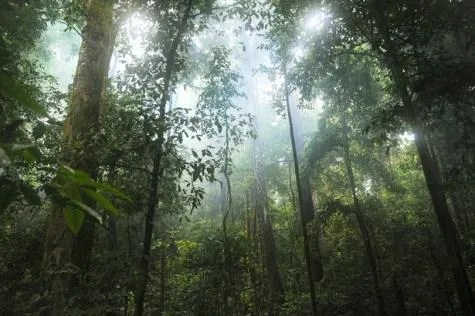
441, 162
446, 224
157, 161
63, 249
400, 301
361, 221
302, 202
275, 286
440, 273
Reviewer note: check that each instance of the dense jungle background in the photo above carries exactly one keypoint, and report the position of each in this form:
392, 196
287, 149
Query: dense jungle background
237, 157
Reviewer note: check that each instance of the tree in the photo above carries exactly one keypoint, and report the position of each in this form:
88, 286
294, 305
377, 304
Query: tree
82, 134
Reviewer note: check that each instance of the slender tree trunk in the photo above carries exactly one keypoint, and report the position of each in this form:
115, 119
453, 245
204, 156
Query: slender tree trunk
157, 161
361, 221
111, 221
431, 172
249, 252
253, 262
298, 180
163, 280
400, 301
247, 218
228, 281
82, 125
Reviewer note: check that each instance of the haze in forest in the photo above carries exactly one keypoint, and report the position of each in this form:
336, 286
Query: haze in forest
246, 157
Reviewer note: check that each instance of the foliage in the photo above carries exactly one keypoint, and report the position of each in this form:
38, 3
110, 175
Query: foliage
196, 92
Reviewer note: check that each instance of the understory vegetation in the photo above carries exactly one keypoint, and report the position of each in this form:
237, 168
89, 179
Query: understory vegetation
243, 157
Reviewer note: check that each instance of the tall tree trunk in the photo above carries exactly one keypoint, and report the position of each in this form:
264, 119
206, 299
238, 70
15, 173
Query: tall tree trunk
429, 167
163, 279
275, 286
441, 209
441, 162
300, 193
361, 220
308, 211
82, 125
400, 301
440, 273
157, 161
228, 280
111, 221
255, 262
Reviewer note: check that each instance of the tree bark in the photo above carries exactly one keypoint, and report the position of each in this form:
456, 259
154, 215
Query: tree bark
440, 273
361, 221
400, 301
275, 285
157, 161
228, 280
63, 249
298, 179
163, 279
111, 220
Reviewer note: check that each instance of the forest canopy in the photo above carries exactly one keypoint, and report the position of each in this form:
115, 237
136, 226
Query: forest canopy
237, 157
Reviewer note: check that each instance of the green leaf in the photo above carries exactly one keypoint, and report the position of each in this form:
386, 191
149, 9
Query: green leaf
76, 176
108, 188
74, 218
29, 193
4, 159
88, 210
39, 130
65, 169
18, 91
102, 201
9, 191
72, 191
31, 154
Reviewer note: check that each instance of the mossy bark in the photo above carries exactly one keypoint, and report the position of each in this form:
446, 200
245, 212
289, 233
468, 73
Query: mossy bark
66, 253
